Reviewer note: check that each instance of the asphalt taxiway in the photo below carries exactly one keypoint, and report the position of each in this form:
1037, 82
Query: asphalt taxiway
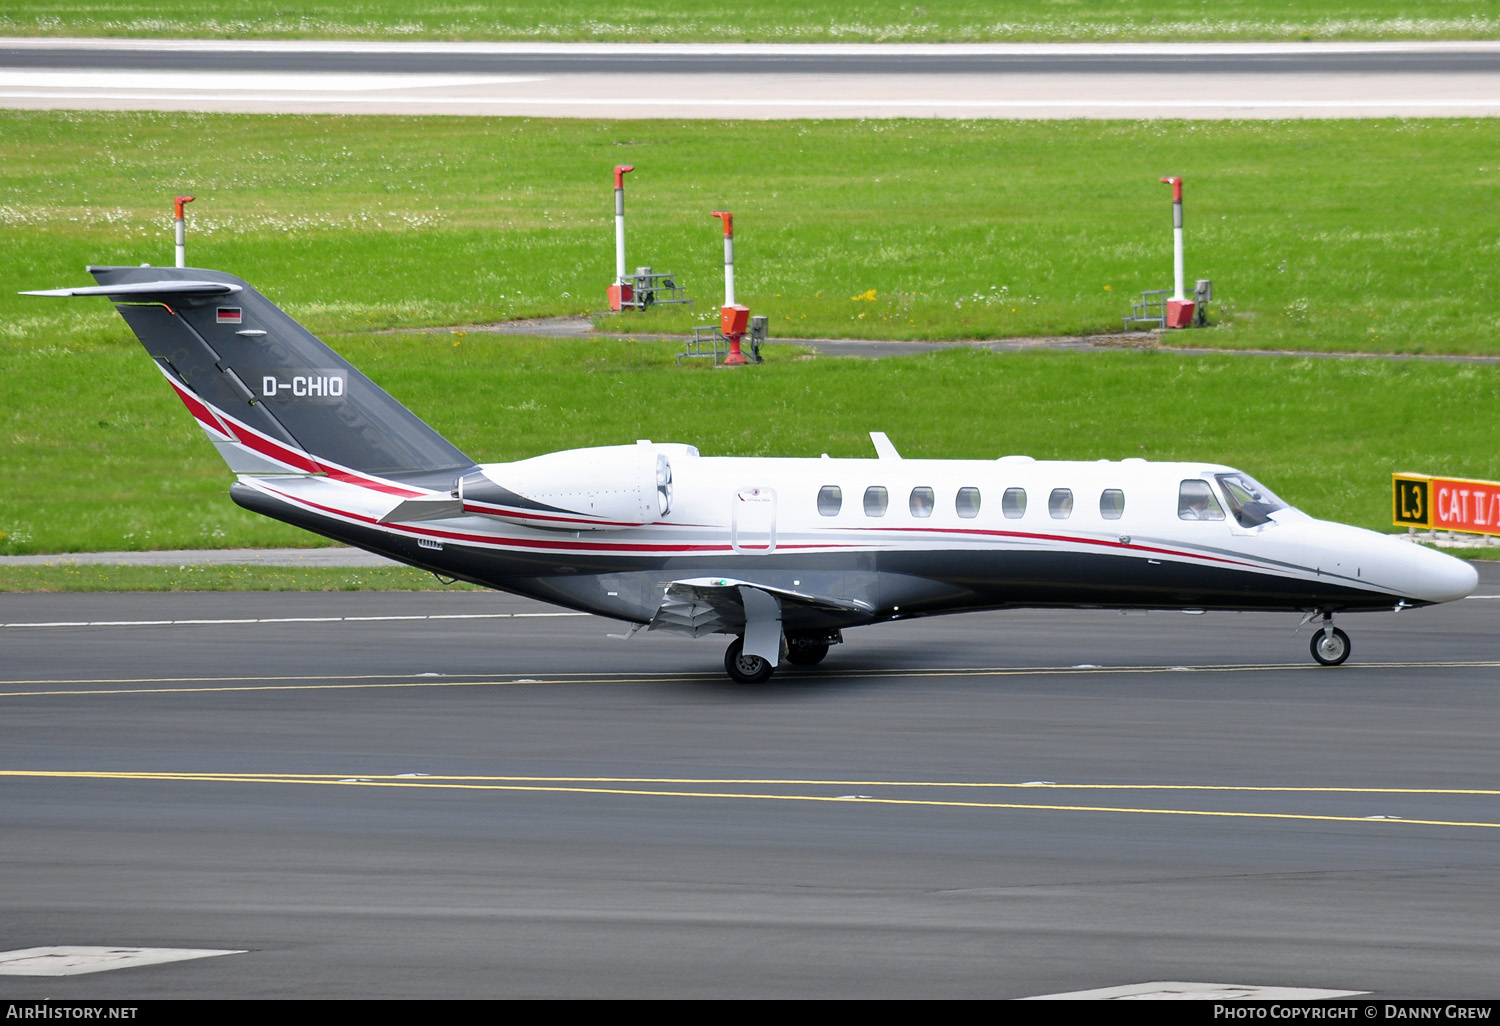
471, 795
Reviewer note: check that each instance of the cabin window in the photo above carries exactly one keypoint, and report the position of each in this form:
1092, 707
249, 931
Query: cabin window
1112, 504
967, 503
1060, 503
922, 501
1195, 501
1013, 503
830, 500
876, 499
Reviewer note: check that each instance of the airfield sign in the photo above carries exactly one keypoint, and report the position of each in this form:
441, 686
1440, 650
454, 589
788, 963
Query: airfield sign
1445, 503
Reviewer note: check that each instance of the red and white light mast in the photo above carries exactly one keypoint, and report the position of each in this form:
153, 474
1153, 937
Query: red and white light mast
1179, 307
734, 320
179, 217
621, 295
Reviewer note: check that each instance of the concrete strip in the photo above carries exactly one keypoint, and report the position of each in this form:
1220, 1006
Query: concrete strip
334, 556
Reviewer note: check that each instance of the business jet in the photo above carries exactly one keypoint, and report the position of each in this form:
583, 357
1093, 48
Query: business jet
781, 554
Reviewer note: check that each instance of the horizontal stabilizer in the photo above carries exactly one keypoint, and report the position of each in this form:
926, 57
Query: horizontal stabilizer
439, 507
144, 291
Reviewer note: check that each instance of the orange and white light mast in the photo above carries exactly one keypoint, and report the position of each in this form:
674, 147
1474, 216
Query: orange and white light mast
621, 295
1179, 307
180, 223
734, 320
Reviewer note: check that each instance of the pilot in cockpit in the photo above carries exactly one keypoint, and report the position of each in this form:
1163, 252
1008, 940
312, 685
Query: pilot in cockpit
1195, 501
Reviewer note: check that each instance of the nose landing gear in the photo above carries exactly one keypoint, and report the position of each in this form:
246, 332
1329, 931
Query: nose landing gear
1330, 646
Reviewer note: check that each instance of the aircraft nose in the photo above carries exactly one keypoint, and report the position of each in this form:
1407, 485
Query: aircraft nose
1439, 577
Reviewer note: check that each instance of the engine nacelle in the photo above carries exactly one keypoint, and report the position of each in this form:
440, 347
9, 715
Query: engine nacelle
606, 488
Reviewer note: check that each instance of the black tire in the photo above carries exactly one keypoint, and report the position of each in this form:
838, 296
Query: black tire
807, 653
1330, 650
747, 669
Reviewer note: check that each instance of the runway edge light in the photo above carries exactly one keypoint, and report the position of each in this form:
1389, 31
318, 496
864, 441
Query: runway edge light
621, 294
1179, 307
734, 319
179, 223
645, 287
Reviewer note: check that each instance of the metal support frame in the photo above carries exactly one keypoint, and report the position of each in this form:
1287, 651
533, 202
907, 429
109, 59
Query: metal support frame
651, 288
1152, 309
705, 345
709, 342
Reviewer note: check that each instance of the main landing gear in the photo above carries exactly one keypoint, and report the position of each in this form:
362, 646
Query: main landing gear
747, 669
800, 649
1330, 646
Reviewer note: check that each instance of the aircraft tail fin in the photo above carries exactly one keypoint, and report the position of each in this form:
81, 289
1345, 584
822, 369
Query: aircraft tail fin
273, 398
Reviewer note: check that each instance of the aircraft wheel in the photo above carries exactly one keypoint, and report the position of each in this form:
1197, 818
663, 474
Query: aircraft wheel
809, 653
1330, 649
747, 669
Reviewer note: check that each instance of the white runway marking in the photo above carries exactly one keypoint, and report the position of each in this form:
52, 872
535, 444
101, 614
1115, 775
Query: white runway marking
74, 961
1172, 990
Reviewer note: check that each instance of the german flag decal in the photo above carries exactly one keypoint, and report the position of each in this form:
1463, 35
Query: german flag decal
229, 315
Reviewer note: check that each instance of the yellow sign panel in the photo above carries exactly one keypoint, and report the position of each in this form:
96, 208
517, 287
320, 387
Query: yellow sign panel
1445, 503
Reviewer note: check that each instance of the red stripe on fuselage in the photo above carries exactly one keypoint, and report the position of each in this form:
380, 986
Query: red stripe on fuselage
252, 439
527, 543
625, 548
201, 412
305, 462
1065, 538
338, 473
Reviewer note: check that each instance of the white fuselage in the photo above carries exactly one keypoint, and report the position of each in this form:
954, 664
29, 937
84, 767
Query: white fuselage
938, 535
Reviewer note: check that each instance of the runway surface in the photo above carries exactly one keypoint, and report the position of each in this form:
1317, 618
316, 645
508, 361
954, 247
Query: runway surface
758, 80
470, 795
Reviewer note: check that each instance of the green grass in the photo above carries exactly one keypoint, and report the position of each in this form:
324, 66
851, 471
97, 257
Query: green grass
99, 454
1477, 552
1371, 235
803, 21
218, 578
1330, 235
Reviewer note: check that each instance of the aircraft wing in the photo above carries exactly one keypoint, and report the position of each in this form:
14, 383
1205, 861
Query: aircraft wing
710, 605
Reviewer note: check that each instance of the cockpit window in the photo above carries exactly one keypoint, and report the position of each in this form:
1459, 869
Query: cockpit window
1251, 502
1195, 501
